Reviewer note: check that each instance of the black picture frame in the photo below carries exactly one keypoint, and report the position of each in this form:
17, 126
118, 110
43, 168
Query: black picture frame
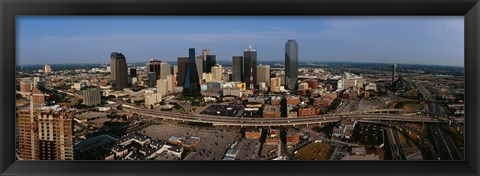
9, 9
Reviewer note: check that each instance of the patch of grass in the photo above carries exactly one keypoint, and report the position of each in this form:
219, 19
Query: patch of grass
315, 151
409, 105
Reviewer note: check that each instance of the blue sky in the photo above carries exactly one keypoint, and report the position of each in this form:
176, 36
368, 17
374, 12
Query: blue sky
431, 40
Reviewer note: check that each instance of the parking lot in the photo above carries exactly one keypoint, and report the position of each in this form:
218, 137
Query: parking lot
249, 149
212, 146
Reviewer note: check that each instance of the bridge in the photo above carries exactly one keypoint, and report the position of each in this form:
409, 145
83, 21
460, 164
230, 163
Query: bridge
385, 115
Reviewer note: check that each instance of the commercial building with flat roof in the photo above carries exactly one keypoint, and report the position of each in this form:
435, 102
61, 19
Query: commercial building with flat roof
92, 96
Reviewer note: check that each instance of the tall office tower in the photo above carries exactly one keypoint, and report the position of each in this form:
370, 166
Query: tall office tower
191, 87
152, 79
171, 83
291, 64
164, 70
250, 66
205, 52
263, 74
237, 68
394, 70
217, 71
174, 70
211, 61
47, 69
182, 67
154, 66
162, 87
118, 71
92, 96
199, 62
132, 72
45, 134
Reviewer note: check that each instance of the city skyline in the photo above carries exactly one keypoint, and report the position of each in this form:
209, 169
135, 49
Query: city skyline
61, 40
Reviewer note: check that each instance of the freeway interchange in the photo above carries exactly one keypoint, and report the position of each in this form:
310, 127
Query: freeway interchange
269, 122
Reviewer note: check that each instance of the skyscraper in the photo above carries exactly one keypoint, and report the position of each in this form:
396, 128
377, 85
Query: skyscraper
250, 66
191, 86
154, 66
164, 70
118, 70
237, 68
217, 71
291, 64
211, 61
182, 67
263, 74
132, 72
394, 70
47, 69
45, 134
199, 62
152, 79
205, 52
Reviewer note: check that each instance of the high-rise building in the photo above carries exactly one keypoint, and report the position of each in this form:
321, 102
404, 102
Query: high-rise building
275, 84
237, 68
164, 70
291, 64
152, 79
45, 134
47, 69
191, 87
394, 70
25, 86
211, 61
199, 62
162, 87
182, 67
205, 52
174, 70
217, 71
118, 71
132, 72
171, 83
263, 74
154, 66
92, 96
250, 66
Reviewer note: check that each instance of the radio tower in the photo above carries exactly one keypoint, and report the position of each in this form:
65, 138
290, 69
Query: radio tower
251, 78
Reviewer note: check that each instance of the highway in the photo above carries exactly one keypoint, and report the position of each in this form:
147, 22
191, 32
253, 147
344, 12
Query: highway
264, 122
446, 148
396, 148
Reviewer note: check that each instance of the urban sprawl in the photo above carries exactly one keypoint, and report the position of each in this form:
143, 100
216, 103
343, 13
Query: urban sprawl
201, 110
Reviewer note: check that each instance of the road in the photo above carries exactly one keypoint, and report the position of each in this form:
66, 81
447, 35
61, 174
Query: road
396, 148
446, 148
261, 122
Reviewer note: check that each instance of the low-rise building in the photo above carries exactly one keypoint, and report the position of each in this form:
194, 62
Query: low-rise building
293, 100
308, 111
232, 92
152, 99
253, 133
292, 138
271, 111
